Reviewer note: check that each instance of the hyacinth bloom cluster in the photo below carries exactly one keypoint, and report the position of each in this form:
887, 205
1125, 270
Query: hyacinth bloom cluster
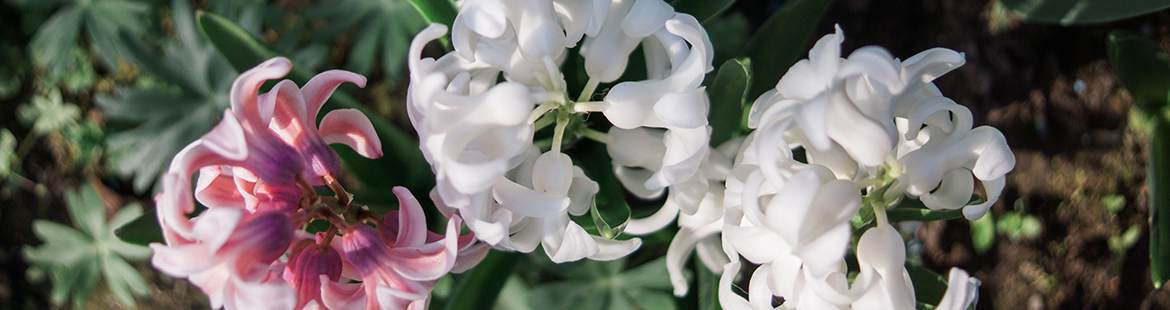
873, 130
478, 134
256, 171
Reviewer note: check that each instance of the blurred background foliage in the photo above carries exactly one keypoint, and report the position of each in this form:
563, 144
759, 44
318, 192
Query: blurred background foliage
96, 96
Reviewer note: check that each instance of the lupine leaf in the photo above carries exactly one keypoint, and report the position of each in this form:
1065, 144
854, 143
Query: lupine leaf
1069, 12
480, 286
603, 285
780, 42
75, 259
403, 162
703, 10
727, 94
103, 20
386, 28
1142, 66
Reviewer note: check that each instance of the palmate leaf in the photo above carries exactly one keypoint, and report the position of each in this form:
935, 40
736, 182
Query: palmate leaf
382, 31
604, 285
165, 120
75, 259
102, 20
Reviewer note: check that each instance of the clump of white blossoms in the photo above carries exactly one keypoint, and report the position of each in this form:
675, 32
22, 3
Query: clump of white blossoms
873, 131
477, 131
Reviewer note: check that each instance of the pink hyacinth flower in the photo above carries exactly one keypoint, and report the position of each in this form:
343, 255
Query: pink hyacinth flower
292, 113
309, 266
396, 268
272, 138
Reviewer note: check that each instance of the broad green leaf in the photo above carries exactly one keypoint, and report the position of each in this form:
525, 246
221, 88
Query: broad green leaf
983, 233
727, 93
403, 162
1158, 181
141, 231
436, 11
481, 285
514, 295
383, 33
703, 10
708, 283
610, 211
1143, 68
780, 42
1069, 12
923, 214
929, 287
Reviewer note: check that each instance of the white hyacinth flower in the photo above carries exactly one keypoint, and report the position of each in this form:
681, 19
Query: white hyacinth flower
477, 133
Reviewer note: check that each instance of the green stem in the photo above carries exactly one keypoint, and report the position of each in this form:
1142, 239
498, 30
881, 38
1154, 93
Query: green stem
594, 134
559, 132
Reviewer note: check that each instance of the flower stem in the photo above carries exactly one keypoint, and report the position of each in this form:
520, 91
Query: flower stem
590, 87
540, 111
594, 134
590, 106
559, 132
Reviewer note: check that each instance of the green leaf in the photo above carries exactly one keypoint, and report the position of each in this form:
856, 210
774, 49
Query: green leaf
708, 284
703, 10
481, 285
56, 37
436, 11
103, 21
923, 214
1143, 68
49, 114
123, 280
384, 29
159, 120
727, 93
403, 164
1069, 12
1158, 181
610, 212
63, 244
603, 285
780, 42
983, 233
141, 231
929, 287
87, 209
7, 152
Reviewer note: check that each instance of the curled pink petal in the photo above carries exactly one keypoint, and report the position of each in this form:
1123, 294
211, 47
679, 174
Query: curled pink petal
352, 128
321, 86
